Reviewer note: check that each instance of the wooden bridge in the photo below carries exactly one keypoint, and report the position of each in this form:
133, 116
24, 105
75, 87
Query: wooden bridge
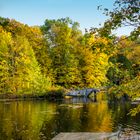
83, 93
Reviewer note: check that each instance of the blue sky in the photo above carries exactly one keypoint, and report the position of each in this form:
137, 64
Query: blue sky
34, 12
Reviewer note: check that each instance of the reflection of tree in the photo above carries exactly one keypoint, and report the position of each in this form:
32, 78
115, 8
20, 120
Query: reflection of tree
42, 120
66, 120
99, 118
89, 118
23, 120
121, 115
84, 118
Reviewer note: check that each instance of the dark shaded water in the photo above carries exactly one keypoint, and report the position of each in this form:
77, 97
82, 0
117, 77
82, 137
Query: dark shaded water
35, 120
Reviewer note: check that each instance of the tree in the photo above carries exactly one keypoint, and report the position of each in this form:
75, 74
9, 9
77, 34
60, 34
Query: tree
62, 37
33, 39
124, 72
20, 72
5, 43
26, 75
93, 60
125, 13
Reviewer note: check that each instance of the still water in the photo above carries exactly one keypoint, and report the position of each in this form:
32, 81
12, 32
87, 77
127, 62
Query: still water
42, 120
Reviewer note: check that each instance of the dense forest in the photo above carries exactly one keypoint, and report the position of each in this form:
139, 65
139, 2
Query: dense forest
57, 55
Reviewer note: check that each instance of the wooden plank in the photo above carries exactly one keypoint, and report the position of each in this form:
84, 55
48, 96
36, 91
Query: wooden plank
96, 136
86, 136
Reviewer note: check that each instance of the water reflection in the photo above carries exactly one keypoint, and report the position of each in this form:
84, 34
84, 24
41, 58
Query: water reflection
28, 120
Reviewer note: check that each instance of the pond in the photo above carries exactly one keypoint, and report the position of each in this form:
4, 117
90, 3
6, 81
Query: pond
42, 120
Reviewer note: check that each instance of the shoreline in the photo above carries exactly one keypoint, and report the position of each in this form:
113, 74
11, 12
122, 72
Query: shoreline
15, 97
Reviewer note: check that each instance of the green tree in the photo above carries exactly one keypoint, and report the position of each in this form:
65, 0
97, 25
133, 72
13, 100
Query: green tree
62, 37
26, 71
126, 68
5, 43
126, 13
93, 61
35, 39
20, 72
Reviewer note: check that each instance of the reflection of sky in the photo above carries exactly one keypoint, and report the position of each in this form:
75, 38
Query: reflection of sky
34, 12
